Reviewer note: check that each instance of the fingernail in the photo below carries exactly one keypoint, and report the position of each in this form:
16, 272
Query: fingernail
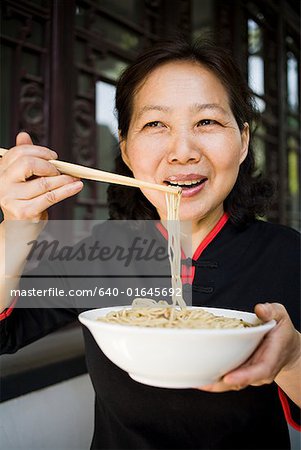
77, 184
232, 379
264, 307
206, 387
267, 307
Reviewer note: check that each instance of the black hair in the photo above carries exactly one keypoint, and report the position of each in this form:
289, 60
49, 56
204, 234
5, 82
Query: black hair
251, 194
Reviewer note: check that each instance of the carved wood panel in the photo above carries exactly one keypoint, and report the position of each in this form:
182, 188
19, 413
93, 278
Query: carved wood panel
25, 37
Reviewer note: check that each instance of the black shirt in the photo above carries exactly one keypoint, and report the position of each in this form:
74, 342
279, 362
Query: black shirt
236, 269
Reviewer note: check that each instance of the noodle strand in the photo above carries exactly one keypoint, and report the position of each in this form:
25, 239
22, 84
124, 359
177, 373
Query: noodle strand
146, 312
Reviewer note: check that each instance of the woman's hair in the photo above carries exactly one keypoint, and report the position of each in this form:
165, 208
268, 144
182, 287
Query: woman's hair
251, 194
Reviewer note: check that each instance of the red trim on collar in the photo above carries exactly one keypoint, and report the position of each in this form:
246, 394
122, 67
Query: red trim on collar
164, 233
209, 238
7, 312
188, 274
162, 229
287, 411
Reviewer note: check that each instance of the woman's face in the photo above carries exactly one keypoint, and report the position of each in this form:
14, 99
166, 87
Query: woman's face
182, 132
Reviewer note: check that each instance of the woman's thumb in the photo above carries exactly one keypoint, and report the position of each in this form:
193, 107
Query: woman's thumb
23, 138
269, 311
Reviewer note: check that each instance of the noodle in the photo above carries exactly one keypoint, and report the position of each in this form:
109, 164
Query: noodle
158, 316
174, 247
150, 313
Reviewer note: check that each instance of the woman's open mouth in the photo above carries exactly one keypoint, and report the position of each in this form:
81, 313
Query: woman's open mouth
190, 184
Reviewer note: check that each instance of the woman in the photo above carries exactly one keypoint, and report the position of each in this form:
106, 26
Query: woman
185, 118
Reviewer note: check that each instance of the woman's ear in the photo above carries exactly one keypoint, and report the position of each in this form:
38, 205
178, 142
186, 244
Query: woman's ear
122, 145
245, 137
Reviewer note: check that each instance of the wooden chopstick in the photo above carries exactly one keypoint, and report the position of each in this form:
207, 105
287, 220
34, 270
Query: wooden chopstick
88, 173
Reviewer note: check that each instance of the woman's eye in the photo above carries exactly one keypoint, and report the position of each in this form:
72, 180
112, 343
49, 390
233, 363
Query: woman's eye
154, 124
207, 122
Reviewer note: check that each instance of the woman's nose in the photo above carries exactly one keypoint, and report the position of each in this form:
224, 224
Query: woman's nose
183, 150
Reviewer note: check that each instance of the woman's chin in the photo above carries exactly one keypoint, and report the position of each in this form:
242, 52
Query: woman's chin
192, 217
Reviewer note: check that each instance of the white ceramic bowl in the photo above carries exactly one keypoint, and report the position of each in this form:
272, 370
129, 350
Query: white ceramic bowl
176, 358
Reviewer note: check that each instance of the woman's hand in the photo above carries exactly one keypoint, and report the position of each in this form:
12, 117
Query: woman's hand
29, 183
277, 358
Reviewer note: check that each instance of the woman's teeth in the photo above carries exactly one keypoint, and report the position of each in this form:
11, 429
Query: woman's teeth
187, 184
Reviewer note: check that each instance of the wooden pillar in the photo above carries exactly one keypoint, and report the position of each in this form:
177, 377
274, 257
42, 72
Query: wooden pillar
62, 90
282, 155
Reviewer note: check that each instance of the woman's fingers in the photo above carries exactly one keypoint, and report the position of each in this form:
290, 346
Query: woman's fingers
255, 372
24, 198
33, 188
48, 199
28, 166
269, 311
23, 138
276, 352
16, 154
261, 368
221, 386
31, 209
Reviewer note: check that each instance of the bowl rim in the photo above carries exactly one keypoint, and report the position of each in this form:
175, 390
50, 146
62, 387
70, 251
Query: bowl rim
264, 327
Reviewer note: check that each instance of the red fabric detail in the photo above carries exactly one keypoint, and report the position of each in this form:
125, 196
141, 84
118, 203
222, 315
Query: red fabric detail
222, 221
184, 270
183, 273
7, 312
287, 411
162, 229
188, 274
